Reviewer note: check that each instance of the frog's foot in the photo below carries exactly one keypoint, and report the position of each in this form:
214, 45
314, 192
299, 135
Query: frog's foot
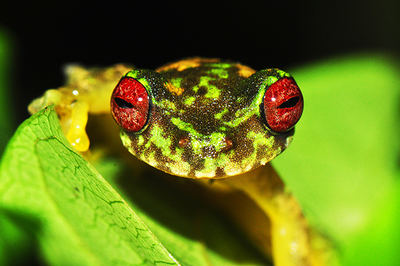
73, 115
86, 91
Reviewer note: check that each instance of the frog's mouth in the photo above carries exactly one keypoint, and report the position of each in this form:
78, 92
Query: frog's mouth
216, 156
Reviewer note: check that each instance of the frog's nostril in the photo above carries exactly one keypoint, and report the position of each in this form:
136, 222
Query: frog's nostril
228, 144
183, 142
122, 103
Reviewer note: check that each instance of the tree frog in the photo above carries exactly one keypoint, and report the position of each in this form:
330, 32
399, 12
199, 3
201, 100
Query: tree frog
200, 118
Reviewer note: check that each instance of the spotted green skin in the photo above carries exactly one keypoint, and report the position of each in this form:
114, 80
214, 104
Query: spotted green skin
206, 121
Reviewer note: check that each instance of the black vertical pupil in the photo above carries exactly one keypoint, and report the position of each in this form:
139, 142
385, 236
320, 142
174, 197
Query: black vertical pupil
290, 103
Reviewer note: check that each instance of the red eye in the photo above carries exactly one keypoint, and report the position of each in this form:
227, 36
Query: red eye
283, 105
130, 104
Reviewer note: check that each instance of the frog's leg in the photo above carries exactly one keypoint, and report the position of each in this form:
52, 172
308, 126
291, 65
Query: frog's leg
86, 91
291, 239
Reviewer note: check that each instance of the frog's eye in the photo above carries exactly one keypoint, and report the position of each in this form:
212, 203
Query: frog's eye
283, 105
130, 104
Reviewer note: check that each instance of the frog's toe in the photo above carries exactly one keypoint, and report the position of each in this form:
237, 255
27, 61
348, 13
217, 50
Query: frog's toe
76, 133
79, 140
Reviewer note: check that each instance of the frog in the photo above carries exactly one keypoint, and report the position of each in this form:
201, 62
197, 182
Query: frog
216, 121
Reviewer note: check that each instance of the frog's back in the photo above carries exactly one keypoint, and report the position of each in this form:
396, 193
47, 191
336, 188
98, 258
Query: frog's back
204, 64
204, 76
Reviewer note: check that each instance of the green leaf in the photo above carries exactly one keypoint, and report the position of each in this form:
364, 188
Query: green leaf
77, 209
83, 220
378, 242
344, 158
16, 230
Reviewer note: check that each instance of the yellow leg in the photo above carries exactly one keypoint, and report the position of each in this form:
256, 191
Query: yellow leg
291, 239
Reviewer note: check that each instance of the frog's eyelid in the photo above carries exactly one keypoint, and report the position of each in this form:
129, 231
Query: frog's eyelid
146, 78
151, 99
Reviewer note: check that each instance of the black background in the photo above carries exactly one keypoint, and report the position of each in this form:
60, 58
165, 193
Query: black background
45, 37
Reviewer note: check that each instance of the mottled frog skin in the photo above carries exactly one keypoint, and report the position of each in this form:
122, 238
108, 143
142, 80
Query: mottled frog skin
206, 119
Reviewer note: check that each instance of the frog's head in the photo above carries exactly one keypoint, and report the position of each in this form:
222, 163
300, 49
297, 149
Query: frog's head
205, 126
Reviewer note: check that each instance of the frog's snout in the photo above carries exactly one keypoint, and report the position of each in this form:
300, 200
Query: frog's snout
224, 144
206, 146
